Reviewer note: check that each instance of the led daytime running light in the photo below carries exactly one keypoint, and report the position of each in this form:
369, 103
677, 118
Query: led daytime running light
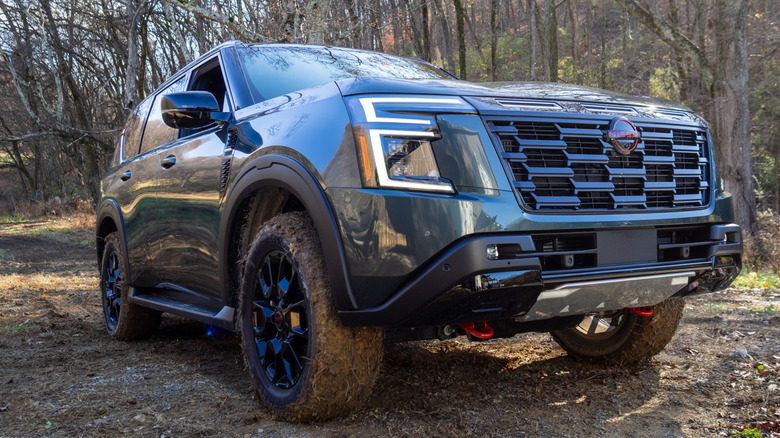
370, 111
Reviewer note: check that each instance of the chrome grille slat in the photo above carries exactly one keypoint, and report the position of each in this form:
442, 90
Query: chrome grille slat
559, 165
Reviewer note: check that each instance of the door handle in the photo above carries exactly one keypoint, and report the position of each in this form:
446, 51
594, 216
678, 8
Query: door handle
168, 162
126, 176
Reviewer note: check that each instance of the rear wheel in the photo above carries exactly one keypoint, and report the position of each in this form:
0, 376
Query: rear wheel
303, 362
623, 336
124, 320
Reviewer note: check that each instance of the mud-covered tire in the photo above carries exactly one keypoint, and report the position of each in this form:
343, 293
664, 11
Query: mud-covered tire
124, 320
629, 338
287, 318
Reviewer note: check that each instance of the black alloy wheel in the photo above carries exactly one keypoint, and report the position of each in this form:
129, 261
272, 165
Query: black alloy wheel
280, 320
112, 290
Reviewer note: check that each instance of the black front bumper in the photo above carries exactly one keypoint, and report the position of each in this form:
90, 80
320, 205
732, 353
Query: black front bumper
463, 284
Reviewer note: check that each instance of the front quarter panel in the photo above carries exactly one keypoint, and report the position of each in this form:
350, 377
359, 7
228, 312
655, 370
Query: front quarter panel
302, 143
312, 126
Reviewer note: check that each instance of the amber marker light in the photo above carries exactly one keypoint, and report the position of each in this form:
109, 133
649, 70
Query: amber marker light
368, 173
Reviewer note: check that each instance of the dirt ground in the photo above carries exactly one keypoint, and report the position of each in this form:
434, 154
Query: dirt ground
61, 375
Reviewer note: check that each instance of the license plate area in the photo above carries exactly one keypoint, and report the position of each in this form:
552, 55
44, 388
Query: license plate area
618, 247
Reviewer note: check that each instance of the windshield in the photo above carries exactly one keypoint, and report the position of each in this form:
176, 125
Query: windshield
275, 70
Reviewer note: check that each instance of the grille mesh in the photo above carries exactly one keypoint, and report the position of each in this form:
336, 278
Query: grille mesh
564, 166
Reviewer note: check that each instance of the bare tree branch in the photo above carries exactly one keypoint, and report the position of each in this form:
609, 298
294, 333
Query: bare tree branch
641, 11
220, 18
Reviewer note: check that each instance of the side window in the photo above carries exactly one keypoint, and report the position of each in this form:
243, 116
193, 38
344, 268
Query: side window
156, 131
208, 78
134, 129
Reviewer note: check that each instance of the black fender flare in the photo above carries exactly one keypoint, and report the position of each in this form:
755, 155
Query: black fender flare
109, 208
285, 172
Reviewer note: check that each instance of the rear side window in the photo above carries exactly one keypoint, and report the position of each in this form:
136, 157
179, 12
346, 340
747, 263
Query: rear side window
156, 131
134, 129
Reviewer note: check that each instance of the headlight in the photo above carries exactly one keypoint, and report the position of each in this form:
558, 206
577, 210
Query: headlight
393, 137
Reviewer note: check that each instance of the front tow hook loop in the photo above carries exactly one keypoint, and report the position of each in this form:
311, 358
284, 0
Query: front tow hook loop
642, 311
479, 329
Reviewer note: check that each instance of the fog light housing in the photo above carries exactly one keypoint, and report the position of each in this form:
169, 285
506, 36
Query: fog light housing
492, 252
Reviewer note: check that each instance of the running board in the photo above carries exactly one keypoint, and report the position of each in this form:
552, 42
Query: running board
220, 317
584, 297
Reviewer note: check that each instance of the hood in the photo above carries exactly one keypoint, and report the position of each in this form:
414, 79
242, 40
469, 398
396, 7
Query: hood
519, 90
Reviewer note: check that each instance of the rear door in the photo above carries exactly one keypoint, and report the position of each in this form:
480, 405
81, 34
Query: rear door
188, 193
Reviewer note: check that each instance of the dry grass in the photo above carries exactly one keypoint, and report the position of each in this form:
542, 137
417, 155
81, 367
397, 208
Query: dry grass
78, 212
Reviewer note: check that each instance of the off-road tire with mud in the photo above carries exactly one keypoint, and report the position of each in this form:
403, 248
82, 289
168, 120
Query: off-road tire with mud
629, 338
124, 320
287, 318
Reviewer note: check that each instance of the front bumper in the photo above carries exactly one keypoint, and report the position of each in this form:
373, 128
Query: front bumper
541, 276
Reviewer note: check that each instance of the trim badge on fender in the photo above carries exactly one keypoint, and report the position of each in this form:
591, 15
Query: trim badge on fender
623, 135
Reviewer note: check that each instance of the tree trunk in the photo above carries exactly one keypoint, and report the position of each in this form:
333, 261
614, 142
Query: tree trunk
445, 34
426, 32
131, 91
533, 22
777, 184
396, 27
603, 55
730, 114
588, 35
493, 38
461, 38
674, 15
552, 40
544, 37
416, 37
575, 47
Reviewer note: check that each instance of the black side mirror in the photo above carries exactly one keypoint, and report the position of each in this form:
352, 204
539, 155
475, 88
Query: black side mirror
191, 109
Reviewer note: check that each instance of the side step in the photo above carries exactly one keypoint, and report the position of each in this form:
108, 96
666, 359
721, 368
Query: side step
169, 302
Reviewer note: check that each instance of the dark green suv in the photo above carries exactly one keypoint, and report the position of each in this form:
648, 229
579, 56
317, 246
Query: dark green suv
322, 201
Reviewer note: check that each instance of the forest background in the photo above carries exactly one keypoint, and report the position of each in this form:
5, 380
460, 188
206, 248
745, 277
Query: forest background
71, 70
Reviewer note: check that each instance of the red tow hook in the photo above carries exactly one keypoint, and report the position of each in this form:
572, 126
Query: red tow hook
642, 311
479, 329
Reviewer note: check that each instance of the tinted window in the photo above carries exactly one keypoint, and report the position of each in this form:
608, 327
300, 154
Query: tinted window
134, 128
156, 131
277, 70
208, 78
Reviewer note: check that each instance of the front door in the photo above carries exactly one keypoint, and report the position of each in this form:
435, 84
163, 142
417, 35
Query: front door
188, 193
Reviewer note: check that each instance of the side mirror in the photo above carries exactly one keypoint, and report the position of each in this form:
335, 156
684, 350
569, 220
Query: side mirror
191, 109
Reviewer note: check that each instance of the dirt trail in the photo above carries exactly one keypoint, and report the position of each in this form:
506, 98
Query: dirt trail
61, 375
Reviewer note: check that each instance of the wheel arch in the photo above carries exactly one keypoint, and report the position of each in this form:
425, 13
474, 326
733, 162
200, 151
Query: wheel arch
109, 219
269, 185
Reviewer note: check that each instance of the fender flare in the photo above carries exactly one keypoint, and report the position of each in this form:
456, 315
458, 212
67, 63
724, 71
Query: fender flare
109, 208
288, 173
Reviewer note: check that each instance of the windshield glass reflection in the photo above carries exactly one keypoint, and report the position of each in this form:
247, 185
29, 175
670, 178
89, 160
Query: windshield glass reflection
275, 70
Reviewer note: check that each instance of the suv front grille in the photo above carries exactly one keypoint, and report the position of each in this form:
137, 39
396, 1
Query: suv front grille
563, 166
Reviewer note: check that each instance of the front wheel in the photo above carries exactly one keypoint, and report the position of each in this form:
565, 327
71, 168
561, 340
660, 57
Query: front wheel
622, 336
303, 362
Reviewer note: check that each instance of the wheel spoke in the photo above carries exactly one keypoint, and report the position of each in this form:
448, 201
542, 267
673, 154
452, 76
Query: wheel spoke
300, 304
594, 324
292, 367
286, 279
293, 357
282, 283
